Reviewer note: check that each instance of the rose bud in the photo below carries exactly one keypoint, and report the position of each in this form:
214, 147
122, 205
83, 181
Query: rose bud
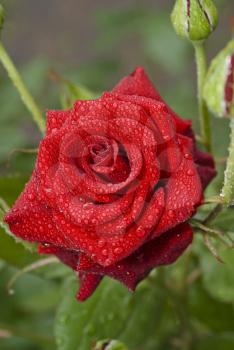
219, 85
194, 19
115, 182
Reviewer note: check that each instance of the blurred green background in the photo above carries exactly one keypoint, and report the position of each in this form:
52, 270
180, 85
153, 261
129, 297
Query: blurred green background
95, 43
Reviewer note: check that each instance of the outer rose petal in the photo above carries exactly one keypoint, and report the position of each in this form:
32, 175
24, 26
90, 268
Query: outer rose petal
88, 281
138, 83
161, 251
31, 220
206, 167
88, 284
131, 270
205, 162
184, 193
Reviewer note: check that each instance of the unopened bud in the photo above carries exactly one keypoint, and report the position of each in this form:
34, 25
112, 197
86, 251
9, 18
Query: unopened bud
219, 86
194, 19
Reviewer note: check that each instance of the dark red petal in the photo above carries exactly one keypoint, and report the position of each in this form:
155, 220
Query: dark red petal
160, 251
88, 284
206, 167
68, 257
88, 281
163, 250
205, 162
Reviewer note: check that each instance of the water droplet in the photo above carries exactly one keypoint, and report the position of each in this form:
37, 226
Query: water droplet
140, 231
120, 267
87, 206
118, 250
190, 172
31, 196
107, 262
101, 243
171, 213
188, 156
105, 252
48, 190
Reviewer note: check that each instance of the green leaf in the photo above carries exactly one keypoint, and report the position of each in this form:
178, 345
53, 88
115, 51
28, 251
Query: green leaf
111, 312
218, 278
12, 249
14, 253
224, 342
72, 92
225, 220
204, 309
11, 186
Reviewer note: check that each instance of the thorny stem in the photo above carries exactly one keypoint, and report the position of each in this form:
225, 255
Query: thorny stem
20, 86
204, 117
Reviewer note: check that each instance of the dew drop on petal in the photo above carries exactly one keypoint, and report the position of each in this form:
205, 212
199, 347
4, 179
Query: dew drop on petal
87, 206
190, 172
171, 213
140, 231
188, 156
118, 250
101, 243
105, 252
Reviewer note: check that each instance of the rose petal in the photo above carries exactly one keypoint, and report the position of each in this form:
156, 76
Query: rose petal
161, 251
55, 120
31, 220
183, 194
88, 284
206, 167
116, 246
137, 83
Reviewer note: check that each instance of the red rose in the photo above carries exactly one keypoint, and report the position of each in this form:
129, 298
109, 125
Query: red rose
115, 180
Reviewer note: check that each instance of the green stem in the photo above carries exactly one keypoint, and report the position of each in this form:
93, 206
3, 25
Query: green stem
204, 117
20, 86
228, 187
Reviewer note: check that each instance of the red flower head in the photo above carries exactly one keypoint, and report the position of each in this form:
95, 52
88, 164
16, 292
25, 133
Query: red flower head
115, 181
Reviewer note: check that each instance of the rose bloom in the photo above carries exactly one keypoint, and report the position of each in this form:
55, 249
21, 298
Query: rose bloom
115, 181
